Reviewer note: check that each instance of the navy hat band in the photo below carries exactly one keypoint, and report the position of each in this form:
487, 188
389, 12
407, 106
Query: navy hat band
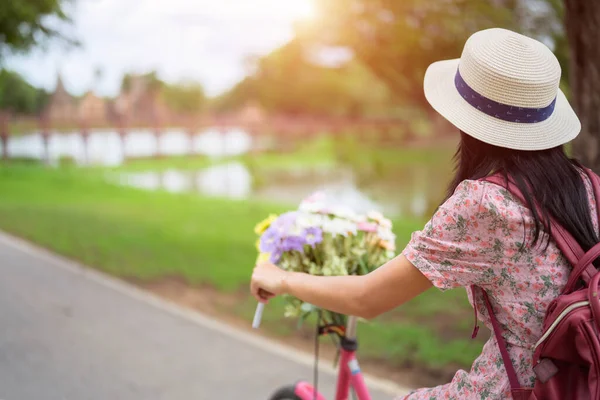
501, 111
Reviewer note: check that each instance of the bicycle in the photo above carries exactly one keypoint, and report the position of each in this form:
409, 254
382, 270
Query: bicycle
349, 373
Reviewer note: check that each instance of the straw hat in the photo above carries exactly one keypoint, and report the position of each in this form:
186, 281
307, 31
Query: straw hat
503, 91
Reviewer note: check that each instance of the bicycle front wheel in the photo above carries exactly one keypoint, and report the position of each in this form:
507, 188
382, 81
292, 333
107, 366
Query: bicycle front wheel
285, 393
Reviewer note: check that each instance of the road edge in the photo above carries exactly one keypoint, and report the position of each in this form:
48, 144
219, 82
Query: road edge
194, 316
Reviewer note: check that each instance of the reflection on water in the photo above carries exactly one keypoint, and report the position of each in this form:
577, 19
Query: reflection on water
230, 180
411, 190
105, 147
408, 191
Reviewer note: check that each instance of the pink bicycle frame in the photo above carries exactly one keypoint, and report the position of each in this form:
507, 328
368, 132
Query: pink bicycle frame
349, 374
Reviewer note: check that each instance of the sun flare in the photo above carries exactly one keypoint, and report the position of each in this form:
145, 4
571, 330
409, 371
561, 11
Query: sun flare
303, 9
289, 10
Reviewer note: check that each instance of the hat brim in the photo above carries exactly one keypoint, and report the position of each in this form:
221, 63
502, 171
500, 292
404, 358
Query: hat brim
440, 91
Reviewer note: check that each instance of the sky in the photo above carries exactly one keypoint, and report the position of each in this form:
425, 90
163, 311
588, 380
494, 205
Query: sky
201, 40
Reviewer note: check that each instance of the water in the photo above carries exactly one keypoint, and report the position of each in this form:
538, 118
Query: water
407, 191
411, 190
106, 148
231, 180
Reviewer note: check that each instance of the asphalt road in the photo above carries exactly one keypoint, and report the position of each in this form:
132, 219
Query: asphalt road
69, 333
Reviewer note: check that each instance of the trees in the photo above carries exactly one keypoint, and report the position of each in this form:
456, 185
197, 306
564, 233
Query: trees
543, 20
397, 40
150, 79
582, 20
24, 24
290, 81
185, 98
18, 95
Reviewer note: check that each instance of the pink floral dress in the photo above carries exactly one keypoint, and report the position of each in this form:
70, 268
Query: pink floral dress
479, 236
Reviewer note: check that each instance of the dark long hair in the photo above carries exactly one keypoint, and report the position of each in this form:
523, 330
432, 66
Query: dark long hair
547, 177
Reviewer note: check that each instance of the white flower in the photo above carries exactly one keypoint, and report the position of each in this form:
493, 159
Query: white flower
295, 230
360, 218
311, 207
351, 227
309, 220
386, 223
386, 234
375, 215
315, 203
338, 226
379, 218
344, 212
307, 307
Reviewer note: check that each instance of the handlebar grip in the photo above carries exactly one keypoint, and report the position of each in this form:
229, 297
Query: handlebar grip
258, 315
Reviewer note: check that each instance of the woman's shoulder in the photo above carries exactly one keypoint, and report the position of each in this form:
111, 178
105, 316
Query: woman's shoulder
483, 197
480, 195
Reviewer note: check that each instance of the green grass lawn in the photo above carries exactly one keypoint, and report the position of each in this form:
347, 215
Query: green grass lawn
353, 151
315, 153
324, 151
146, 236
165, 163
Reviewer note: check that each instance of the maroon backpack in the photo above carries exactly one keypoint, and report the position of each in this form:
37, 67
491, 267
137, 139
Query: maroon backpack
566, 358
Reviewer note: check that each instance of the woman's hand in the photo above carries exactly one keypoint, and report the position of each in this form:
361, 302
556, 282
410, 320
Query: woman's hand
365, 296
268, 281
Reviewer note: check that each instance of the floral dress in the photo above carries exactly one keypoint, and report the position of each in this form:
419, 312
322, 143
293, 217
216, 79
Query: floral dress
479, 236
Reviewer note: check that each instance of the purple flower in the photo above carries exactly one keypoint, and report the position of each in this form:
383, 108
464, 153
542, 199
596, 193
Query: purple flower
285, 222
293, 243
277, 239
313, 236
275, 256
270, 240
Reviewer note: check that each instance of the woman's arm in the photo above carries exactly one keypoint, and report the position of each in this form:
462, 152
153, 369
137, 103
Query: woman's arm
365, 296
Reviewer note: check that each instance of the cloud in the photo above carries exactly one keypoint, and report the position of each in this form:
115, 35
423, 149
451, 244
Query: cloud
200, 40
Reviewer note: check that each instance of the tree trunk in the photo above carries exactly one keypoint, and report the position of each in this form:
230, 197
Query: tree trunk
582, 20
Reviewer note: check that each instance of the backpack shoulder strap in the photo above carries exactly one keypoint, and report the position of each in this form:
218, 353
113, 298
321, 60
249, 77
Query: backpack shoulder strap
584, 269
510, 369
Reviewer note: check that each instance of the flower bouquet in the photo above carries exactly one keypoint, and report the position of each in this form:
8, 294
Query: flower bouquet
323, 238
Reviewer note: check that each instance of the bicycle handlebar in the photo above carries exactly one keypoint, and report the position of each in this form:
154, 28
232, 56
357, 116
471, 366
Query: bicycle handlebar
350, 324
260, 307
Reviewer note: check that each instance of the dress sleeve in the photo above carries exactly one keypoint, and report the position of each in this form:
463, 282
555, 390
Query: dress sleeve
455, 248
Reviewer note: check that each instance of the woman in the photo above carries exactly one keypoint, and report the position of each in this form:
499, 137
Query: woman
503, 95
